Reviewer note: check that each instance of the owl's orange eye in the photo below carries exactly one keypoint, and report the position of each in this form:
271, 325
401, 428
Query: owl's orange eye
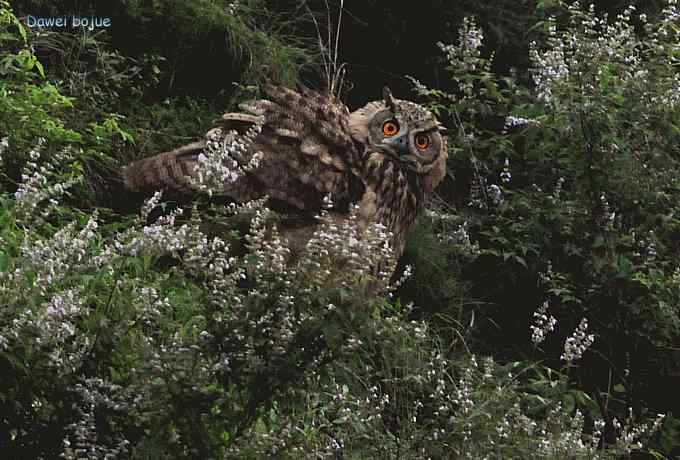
422, 141
390, 128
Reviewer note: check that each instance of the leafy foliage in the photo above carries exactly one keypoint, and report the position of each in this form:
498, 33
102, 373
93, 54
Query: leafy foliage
572, 185
146, 337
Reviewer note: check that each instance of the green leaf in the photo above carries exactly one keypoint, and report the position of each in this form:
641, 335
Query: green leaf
41, 69
619, 388
599, 242
568, 403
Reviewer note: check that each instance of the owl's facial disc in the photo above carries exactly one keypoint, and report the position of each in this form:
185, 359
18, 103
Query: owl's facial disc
407, 133
390, 134
396, 145
404, 145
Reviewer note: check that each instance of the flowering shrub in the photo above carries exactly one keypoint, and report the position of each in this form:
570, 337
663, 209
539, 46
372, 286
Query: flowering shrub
148, 337
225, 159
571, 188
256, 325
239, 356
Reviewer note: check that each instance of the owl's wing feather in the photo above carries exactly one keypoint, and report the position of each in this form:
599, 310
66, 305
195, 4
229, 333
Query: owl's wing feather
318, 121
167, 170
306, 148
310, 130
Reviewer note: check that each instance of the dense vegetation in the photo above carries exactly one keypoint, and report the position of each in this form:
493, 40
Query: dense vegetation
535, 313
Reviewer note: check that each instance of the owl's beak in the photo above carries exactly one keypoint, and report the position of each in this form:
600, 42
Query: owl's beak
396, 146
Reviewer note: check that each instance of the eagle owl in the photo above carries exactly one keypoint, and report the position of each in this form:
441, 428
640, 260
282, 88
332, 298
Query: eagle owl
385, 157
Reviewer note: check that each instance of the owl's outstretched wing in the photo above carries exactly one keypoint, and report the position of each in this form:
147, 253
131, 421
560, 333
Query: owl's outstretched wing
305, 146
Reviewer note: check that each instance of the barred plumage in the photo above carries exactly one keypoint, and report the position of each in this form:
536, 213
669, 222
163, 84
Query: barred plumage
310, 146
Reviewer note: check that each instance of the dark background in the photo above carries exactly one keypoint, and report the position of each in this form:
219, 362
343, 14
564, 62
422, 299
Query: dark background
381, 42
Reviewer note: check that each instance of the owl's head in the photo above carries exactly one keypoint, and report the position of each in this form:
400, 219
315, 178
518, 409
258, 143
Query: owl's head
405, 132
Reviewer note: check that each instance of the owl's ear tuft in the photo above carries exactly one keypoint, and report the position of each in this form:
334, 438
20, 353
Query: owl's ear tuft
443, 130
388, 98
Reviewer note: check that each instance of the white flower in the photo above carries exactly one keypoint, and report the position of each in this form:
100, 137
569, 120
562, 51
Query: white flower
578, 343
543, 323
225, 158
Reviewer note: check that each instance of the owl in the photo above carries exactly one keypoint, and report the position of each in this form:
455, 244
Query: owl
385, 158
